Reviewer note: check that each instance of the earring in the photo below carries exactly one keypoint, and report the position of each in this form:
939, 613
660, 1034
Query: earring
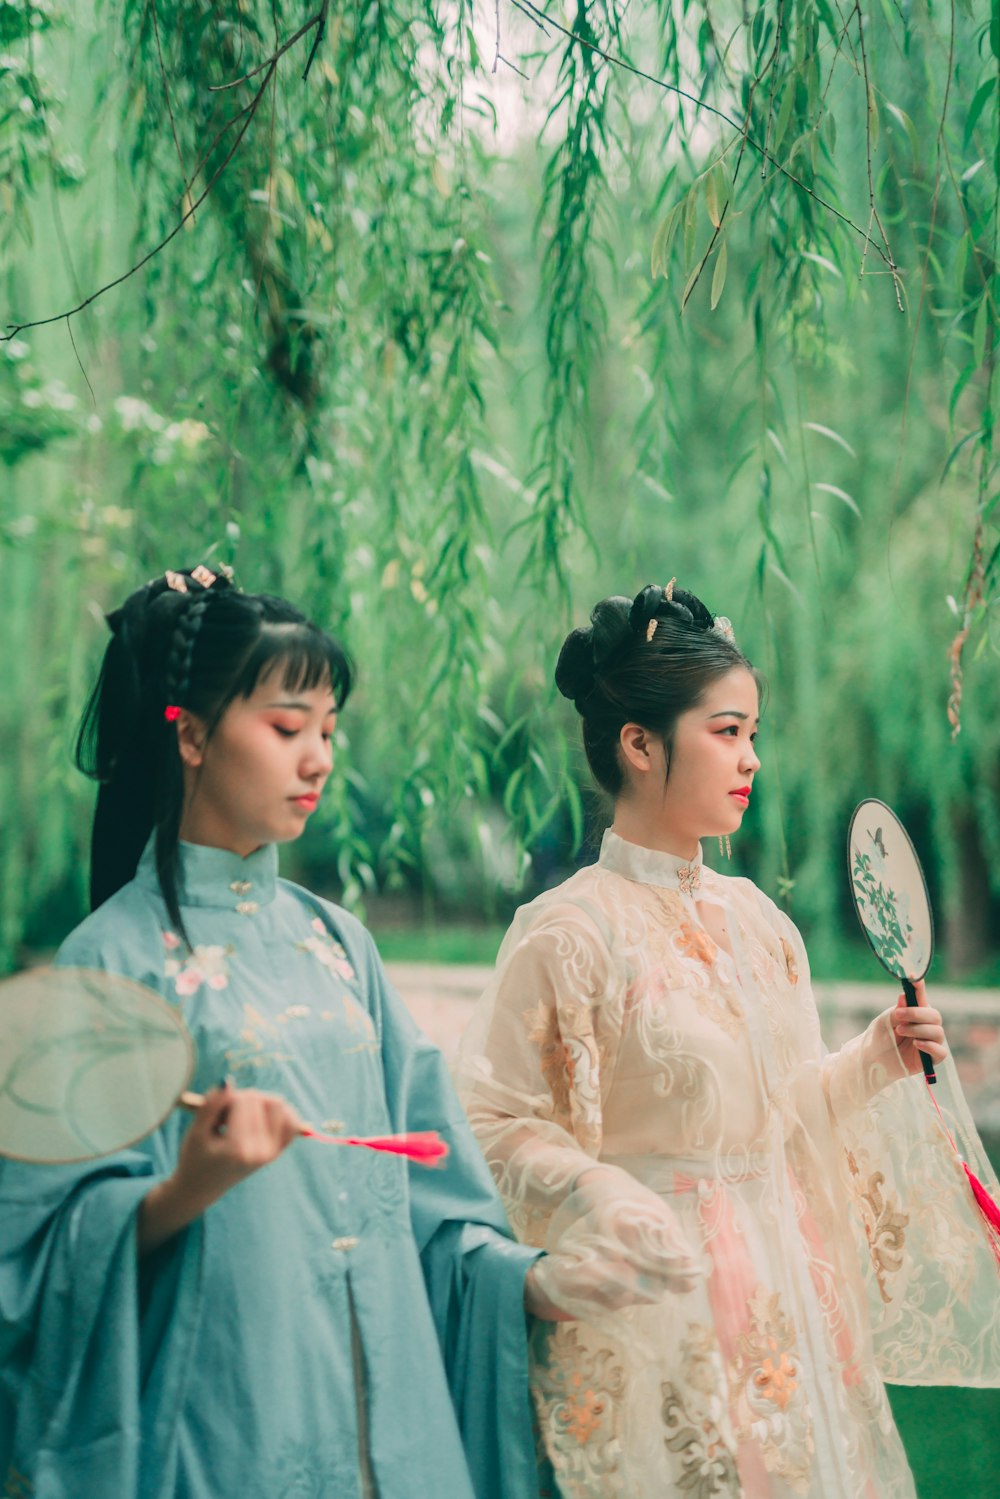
725, 847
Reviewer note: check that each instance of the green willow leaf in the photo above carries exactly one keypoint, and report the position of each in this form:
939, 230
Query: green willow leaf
663, 240
719, 274
986, 92
981, 330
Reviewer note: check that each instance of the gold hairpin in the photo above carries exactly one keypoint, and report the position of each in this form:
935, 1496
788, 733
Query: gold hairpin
176, 581
651, 628
202, 575
668, 592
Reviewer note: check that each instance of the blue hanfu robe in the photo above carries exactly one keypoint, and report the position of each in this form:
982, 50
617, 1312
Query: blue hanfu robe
340, 1324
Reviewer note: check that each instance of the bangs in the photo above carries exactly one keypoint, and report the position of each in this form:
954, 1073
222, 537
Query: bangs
302, 656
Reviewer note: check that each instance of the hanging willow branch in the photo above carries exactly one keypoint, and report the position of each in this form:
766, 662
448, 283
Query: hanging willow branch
246, 114
542, 18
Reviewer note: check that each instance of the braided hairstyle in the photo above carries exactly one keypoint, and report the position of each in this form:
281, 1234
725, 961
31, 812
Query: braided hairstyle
645, 660
186, 640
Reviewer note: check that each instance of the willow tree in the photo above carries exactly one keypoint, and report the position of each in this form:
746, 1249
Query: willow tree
445, 320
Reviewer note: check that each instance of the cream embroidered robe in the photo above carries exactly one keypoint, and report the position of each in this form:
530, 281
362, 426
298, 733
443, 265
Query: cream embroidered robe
650, 1049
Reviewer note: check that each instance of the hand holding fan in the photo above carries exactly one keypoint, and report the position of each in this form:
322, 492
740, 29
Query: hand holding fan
890, 897
90, 1063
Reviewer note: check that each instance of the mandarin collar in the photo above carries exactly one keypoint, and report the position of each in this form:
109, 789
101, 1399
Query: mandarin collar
650, 866
218, 877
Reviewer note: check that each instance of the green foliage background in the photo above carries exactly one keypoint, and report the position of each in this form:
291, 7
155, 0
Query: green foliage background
446, 353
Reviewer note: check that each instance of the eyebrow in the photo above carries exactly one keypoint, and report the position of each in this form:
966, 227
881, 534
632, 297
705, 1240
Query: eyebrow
732, 713
300, 707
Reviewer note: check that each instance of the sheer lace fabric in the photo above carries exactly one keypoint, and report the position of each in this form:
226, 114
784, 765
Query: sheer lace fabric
751, 1233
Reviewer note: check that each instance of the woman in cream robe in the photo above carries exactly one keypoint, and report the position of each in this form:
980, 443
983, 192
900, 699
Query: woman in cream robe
769, 1230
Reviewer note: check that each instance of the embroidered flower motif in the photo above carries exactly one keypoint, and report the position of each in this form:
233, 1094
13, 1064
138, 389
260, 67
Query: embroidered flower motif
205, 965
694, 942
579, 1393
689, 878
570, 1064
777, 1381
694, 1415
329, 951
770, 1404
884, 1226
582, 1411
708, 1468
790, 963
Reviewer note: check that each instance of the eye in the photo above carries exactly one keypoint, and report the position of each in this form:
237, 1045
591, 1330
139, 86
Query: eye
284, 731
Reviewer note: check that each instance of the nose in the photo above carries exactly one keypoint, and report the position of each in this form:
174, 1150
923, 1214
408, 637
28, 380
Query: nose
317, 757
749, 761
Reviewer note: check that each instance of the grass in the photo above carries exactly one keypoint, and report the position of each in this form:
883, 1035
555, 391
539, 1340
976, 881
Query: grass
458, 943
952, 1439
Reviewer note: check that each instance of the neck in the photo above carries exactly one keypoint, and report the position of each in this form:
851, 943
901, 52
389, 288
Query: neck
640, 825
203, 832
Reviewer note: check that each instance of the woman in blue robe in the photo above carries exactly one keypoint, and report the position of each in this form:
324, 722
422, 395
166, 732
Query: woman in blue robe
175, 1321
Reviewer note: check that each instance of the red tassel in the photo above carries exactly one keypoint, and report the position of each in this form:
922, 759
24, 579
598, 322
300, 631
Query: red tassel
987, 1207
989, 1210
425, 1146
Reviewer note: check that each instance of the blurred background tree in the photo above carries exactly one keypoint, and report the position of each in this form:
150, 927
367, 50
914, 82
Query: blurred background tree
499, 310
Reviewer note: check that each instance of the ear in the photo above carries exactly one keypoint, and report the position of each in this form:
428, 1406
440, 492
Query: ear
191, 738
639, 747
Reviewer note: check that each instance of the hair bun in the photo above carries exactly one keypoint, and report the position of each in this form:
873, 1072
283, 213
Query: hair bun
575, 667
693, 609
646, 606
654, 602
610, 626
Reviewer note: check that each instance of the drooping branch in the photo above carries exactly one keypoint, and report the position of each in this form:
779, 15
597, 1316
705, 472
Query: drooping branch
542, 19
246, 115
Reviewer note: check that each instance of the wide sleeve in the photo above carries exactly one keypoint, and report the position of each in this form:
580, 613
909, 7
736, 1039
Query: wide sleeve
534, 1068
93, 1346
895, 1147
474, 1270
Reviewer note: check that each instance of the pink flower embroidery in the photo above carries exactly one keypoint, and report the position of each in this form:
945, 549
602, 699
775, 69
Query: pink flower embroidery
205, 965
329, 952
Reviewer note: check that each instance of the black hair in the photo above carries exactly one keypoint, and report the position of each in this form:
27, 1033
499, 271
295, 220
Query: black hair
186, 640
624, 668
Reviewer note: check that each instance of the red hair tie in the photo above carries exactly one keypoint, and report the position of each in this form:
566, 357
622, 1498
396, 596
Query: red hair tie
171, 713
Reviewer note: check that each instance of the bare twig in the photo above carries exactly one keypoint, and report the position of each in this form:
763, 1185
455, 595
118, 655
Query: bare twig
536, 20
320, 34
873, 210
76, 351
319, 19
705, 258
13, 329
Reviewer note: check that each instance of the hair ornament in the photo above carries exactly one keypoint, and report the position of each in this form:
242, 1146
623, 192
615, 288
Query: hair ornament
176, 581
202, 575
724, 627
171, 713
668, 592
651, 629
644, 609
